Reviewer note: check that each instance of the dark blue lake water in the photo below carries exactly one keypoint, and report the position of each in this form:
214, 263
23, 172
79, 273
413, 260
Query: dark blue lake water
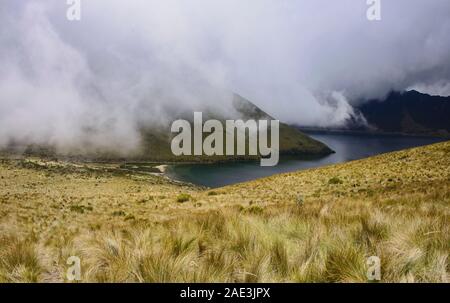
347, 146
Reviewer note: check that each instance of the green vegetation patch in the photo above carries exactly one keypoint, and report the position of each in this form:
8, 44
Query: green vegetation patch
335, 180
181, 198
80, 208
119, 213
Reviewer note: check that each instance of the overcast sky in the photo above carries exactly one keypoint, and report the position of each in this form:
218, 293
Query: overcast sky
131, 63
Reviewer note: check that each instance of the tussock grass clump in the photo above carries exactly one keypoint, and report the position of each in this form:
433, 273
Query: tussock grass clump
81, 208
254, 209
19, 260
335, 180
118, 213
181, 198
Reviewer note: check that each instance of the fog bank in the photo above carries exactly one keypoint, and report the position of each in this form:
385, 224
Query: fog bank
92, 84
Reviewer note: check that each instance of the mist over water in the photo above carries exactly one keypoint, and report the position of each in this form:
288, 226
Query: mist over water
92, 84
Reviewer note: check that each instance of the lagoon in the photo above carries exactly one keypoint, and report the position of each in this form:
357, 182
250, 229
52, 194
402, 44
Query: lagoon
348, 147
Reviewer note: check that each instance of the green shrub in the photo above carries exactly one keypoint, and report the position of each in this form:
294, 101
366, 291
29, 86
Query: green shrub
118, 213
254, 209
80, 208
335, 180
181, 198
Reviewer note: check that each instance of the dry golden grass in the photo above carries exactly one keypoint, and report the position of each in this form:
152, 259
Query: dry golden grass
315, 225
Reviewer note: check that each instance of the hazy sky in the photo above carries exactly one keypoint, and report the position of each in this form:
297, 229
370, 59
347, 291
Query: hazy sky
94, 82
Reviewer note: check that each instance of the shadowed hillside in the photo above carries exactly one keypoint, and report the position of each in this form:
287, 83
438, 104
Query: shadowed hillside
410, 113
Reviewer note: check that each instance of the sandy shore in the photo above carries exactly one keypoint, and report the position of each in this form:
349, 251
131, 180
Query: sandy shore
162, 168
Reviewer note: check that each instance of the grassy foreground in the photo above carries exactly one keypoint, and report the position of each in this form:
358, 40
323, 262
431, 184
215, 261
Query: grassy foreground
315, 225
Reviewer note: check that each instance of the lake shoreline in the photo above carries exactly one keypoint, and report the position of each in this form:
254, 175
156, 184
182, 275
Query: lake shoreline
348, 147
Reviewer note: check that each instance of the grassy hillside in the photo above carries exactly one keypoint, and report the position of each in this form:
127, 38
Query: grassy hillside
156, 141
156, 144
314, 225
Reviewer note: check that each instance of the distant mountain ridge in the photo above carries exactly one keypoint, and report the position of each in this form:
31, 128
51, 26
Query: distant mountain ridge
409, 112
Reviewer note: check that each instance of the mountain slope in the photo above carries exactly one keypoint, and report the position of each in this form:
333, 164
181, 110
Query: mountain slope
156, 144
410, 113
156, 141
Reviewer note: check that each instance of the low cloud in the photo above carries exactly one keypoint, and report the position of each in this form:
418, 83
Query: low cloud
93, 84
